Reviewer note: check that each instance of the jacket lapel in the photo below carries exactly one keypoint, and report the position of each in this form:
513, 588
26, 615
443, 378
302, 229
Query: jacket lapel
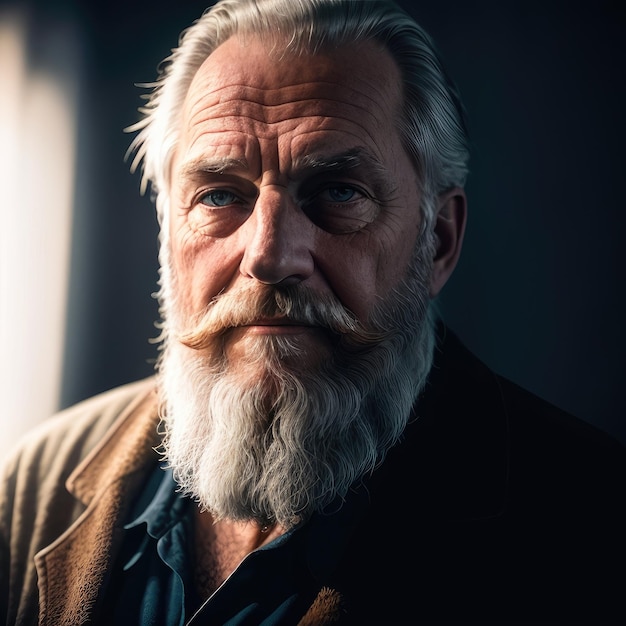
71, 570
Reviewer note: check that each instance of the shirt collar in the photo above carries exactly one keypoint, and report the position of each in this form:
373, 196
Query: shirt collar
160, 506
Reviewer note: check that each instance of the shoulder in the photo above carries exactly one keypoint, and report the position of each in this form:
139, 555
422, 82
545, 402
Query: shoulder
529, 416
532, 422
59, 443
560, 463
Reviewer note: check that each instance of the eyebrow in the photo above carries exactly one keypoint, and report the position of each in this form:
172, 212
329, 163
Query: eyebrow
316, 163
350, 159
212, 166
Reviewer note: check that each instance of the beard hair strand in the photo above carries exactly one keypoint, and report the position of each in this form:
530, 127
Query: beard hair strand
282, 445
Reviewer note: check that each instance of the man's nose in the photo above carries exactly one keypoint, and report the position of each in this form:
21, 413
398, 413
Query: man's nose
278, 239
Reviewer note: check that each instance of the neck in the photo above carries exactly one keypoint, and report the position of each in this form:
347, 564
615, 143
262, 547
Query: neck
222, 545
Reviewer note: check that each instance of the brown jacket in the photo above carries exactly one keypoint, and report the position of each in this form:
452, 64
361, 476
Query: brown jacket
59, 543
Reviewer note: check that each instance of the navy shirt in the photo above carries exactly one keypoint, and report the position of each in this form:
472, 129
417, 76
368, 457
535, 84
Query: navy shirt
152, 583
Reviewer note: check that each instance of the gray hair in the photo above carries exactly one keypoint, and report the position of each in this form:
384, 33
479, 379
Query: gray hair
432, 124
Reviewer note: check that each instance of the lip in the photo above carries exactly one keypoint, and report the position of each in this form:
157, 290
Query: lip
277, 326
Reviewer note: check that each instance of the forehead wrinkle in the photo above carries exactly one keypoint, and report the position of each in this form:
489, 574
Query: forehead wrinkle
240, 99
233, 129
275, 114
272, 96
361, 140
312, 159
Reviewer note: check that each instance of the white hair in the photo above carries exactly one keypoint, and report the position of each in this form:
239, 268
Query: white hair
432, 125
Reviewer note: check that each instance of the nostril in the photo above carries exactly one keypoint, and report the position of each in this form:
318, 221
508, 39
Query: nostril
272, 267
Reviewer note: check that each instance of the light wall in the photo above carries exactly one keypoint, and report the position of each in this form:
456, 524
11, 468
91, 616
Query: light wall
38, 128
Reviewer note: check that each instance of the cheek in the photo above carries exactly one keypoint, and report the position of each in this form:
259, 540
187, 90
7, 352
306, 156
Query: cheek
394, 260
349, 266
397, 239
201, 267
363, 269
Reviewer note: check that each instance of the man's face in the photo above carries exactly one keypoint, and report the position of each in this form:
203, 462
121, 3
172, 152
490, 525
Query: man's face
291, 171
295, 293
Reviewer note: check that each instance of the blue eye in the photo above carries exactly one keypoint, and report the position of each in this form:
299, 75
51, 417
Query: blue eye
218, 198
341, 208
340, 194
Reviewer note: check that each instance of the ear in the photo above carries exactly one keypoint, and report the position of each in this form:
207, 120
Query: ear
449, 230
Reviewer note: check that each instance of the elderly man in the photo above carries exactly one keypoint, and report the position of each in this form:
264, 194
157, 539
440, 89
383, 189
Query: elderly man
316, 447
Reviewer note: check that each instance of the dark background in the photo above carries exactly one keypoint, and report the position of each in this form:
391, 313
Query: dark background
538, 292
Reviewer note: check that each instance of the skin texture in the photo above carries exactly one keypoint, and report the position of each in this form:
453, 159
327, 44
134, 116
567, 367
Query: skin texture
291, 170
255, 197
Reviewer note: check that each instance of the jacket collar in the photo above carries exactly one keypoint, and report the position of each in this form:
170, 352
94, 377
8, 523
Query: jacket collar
125, 449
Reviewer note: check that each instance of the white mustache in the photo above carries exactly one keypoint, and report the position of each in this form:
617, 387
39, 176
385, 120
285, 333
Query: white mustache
295, 304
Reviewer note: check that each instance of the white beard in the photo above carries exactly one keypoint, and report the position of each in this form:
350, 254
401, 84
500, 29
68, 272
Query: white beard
279, 446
